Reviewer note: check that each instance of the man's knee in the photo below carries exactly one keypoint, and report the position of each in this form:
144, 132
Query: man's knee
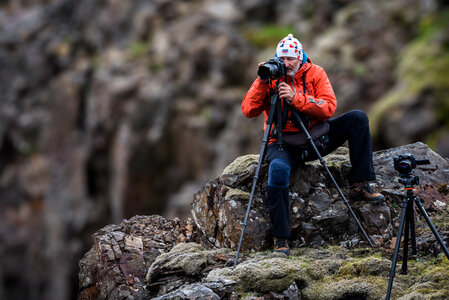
359, 118
278, 173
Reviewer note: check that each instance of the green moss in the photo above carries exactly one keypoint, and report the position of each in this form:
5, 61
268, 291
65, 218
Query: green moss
443, 188
432, 282
441, 220
206, 114
425, 57
432, 23
138, 49
365, 266
365, 252
268, 35
240, 164
432, 139
361, 70
334, 272
273, 274
356, 288
423, 67
237, 194
384, 105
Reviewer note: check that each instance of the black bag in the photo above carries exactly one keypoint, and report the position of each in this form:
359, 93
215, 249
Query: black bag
299, 140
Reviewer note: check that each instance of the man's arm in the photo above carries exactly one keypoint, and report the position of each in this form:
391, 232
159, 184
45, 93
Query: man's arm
254, 101
323, 105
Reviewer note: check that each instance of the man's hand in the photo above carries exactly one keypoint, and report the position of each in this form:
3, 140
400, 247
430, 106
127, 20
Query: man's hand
285, 91
258, 66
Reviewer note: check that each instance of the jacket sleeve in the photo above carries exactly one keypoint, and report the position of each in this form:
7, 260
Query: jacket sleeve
323, 105
254, 101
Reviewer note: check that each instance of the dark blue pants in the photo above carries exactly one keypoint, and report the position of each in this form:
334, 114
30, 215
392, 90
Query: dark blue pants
353, 127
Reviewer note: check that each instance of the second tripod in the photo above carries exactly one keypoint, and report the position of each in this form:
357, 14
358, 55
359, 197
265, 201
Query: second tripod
404, 164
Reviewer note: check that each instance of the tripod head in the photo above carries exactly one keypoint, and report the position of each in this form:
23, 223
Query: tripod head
409, 181
404, 164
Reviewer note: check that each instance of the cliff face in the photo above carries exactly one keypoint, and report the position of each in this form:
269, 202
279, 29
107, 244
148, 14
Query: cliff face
114, 108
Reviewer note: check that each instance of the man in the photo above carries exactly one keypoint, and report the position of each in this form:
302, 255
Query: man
308, 90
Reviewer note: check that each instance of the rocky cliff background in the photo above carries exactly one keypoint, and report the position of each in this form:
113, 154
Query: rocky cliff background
110, 109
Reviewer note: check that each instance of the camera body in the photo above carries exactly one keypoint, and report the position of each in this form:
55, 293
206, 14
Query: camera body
272, 69
404, 164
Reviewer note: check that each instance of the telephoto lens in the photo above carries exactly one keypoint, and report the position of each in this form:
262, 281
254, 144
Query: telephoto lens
272, 69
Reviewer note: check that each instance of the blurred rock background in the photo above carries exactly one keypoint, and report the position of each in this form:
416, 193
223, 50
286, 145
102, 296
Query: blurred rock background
112, 108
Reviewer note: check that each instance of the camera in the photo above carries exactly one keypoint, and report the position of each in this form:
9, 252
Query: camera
272, 69
405, 163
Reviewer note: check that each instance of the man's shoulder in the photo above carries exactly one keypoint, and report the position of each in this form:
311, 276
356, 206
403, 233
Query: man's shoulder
315, 67
312, 69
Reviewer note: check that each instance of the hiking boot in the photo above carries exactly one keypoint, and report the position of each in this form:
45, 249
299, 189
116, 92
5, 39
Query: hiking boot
281, 246
363, 192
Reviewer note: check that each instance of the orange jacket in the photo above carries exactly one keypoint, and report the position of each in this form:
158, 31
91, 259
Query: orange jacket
318, 101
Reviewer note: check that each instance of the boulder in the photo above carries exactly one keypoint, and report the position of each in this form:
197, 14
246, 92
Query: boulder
116, 265
319, 215
210, 290
151, 257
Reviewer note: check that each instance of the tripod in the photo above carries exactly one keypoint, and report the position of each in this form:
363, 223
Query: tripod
407, 220
270, 121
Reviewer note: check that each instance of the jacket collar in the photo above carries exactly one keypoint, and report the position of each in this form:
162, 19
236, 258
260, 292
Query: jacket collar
305, 66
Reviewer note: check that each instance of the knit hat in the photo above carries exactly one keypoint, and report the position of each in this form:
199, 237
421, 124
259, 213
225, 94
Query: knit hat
290, 47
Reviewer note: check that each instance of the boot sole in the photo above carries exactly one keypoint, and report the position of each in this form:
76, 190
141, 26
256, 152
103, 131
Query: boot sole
359, 198
283, 251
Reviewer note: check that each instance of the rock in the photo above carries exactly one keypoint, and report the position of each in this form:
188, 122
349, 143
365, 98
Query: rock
220, 210
349, 289
309, 273
262, 276
193, 291
209, 290
117, 264
109, 109
292, 292
437, 172
415, 97
188, 262
433, 283
191, 271
318, 215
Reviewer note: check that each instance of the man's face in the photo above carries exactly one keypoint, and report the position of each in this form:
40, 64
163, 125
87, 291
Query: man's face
292, 64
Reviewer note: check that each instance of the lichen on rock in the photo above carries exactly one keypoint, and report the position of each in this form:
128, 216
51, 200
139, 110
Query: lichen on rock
272, 274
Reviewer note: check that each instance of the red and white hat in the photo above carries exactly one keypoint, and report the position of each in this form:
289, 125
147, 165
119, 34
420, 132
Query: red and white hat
289, 47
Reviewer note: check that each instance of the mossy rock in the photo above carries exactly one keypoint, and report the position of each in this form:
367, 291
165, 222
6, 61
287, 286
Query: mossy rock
423, 67
433, 284
240, 164
191, 258
354, 288
232, 194
274, 274
366, 266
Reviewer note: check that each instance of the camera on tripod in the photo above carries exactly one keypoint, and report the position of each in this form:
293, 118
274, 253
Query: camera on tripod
404, 164
272, 69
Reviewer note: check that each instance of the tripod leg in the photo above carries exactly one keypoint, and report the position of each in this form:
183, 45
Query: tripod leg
408, 212
266, 136
323, 163
412, 231
429, 222
396, 248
